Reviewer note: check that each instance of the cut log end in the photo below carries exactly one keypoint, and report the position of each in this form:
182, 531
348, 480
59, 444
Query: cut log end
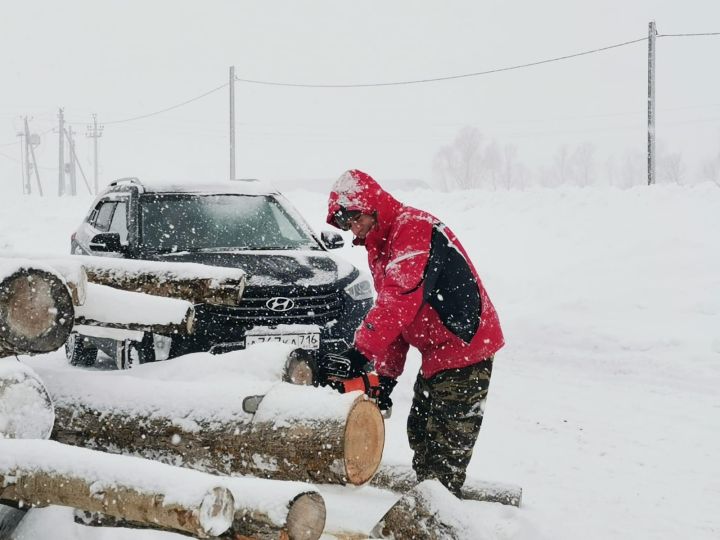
37, 312
26, 410
306, 517
364, 441
216, 511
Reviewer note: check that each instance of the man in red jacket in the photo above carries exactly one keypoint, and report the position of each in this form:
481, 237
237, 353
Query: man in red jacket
428, 296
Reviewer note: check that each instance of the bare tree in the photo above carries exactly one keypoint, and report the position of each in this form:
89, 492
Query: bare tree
583, 160
512, 173
461, 162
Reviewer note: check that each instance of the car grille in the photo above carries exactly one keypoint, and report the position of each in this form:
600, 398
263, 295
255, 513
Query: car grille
306, 309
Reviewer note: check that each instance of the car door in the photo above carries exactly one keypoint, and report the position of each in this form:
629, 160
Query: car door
98, 221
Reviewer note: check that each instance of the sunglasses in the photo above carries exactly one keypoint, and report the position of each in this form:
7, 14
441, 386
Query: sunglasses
344, 218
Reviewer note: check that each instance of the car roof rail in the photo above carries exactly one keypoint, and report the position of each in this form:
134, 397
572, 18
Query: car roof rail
127, 180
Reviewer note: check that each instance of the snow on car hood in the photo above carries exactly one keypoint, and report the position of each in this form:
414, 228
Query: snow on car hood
291, 267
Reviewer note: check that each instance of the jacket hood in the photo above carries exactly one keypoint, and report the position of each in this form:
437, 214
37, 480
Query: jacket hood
356, 190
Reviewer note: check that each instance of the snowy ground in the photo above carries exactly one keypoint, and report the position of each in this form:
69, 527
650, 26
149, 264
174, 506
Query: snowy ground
603, 405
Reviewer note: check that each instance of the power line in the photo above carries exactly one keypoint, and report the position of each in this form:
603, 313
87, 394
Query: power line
690, 35
164, 110
447, 78
10, 157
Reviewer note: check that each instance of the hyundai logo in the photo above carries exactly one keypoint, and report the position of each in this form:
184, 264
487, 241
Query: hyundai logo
280, 303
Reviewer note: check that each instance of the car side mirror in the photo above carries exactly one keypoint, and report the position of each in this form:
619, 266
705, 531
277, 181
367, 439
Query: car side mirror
107, 242
332, 240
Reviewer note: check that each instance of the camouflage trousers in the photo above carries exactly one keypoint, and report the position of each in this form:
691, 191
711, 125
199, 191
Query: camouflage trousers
444, 422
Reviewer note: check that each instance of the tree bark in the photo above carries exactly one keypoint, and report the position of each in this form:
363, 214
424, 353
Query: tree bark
36, 309
41, 473
26, 410
298, 433
305, 520
196, 283
401, 479
112, 308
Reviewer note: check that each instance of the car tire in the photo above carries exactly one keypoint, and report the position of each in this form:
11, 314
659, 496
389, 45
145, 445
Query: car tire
79, 352
130, 354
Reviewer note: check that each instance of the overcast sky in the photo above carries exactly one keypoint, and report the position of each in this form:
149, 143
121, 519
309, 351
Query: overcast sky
127, 58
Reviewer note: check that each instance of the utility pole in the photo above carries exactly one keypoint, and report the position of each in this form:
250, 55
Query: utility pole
30, 142
24, 161
95, 132
75, 162
652, 32
71, 163
61, 153
232, 122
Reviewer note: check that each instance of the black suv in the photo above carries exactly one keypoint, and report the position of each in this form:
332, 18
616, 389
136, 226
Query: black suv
296, 292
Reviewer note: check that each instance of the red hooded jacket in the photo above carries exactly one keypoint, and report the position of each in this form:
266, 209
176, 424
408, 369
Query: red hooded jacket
428, 292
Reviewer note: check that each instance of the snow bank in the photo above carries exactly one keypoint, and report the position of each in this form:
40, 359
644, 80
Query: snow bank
603, 405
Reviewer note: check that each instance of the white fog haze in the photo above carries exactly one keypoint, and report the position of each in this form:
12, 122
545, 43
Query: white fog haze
523, 126
122, 60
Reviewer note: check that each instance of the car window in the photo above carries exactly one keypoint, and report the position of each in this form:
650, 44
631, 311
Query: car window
92, 215
288, 229
119, 221
191, 222
102, 220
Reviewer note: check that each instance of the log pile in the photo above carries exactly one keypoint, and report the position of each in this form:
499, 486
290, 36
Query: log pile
422, 514
301, 518
135, 311
338, 439
401, 479
40, 473
36, 309
196, 283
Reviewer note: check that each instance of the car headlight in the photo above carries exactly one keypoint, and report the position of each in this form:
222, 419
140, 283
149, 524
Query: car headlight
360, 289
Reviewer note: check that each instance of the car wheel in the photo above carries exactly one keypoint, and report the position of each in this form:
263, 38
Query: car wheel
130, 354
79, 352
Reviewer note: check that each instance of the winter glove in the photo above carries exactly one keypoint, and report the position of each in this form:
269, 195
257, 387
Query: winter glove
385, 388
359, 363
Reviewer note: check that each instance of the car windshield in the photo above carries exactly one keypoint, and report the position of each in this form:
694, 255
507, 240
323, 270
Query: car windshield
171, 223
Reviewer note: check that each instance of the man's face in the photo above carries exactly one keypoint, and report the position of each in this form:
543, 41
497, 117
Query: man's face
362, 225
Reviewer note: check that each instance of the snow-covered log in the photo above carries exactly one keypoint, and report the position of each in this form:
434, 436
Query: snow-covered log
36, 308
197, 283
271, 509
40, 473
26, 410
298, 432
402, 479
113, 308
264, 510
427, 512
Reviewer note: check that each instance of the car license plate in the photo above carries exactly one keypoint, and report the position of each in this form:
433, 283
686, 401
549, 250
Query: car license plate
308, 340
